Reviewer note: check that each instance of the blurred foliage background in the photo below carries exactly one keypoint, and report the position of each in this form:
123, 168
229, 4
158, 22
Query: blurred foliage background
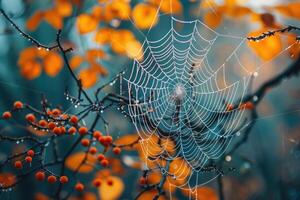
106, 36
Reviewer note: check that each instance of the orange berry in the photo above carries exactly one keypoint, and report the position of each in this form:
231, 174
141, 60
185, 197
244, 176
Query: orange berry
51, 125
108, 139
110, 182
30, 117
56, 112
6, 115
93, 150
248, 105
104, 163
57, 131
18, 164
97, 134
97, 182
100, 157
28, 159
143, 180
18, 105
79, 187
72, 130
83, 130
63, 130
43, 123
85, 142
74, 119
64, 179
30, 153
117, 150
51, 179
40, 176
101, 139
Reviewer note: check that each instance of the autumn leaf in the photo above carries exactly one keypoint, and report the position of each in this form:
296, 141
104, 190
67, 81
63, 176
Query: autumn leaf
88, 77
52, 64
127, 139
31, 70
111, 192
53, 18
144, 16
7, 179
103, 35
213, 19
167, 6
268, 48
76, 61
75, 160
86, 23
34, 21
201, 193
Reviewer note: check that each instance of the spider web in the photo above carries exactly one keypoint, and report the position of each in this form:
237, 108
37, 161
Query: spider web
180, 89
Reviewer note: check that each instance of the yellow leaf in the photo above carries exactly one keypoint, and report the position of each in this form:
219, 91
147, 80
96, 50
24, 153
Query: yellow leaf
52, 64
86, 23
144, 16
168, 6
111, 192
134, 49
76, 159
267, 48
117, 9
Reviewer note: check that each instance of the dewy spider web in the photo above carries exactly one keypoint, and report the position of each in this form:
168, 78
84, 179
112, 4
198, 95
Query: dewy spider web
179, 93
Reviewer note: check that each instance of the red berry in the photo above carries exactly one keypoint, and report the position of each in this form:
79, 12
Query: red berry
117, 150
93, 150
28, 159
100, 157
79, 187
51, 179
51, 125
56, 112
30, 153
63, 130
110, 182
143, 180
101, 139
74, 119
57, 131
6, 115
64, 179
40, 176
18, 105
104, 163
230, 107
18, 164
43, 123
30, 117
83, 130
108, 139
97, 182
97, 134
85, 142
72, 130
248, 105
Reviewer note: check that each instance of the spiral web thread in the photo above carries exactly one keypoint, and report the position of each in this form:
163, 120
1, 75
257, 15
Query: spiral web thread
177, 93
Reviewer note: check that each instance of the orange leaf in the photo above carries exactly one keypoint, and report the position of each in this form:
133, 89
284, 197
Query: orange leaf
235, 11
88, 77
34, 21
289, 10
55, 20
64, 8
76, 61
86, 23
149, 195
111, 192
267, 48
31, 70
168, 6
103, 35
93, 54
134, 49
76, 159
117, 9
144, 16
53, 64
213, 19
127, 139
